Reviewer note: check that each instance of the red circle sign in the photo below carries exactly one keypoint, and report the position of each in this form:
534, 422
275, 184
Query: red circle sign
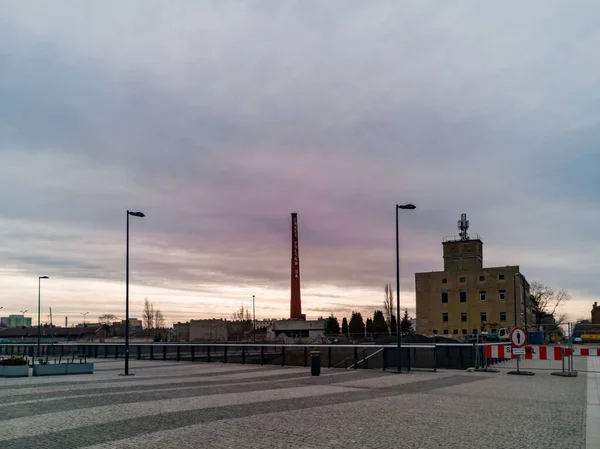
518, 337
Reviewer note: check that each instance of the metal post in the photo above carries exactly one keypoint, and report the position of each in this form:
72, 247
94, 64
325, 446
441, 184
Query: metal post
398, 340
515, 299
39, 326
253, 319
127, 299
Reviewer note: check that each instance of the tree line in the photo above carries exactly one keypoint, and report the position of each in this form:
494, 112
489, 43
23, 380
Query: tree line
371, 327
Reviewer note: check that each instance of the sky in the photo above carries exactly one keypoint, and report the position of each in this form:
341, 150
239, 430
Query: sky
218, 119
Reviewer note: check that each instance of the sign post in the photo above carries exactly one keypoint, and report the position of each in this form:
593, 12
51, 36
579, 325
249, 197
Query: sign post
518, 339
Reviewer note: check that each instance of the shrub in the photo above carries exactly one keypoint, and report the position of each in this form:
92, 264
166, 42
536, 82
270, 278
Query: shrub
13, 361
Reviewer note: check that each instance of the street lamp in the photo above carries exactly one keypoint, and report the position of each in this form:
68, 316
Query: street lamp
39, 323
254, 318
140, 215
84, 314
398, 337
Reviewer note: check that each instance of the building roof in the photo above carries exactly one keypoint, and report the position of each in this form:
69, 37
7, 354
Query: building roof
57, 331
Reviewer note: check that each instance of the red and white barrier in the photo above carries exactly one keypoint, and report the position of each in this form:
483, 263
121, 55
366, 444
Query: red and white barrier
583, 351
535, 352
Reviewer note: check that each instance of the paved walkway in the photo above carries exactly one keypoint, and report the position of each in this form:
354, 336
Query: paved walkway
183, 405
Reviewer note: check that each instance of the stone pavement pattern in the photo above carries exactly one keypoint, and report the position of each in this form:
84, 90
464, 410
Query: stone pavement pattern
184, 405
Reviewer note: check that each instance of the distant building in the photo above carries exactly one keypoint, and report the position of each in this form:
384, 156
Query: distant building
467, 298
181, 331
55, 334
297, 329
13, 321
596, 313
208, 330
239, 330
88, 325
135, 328
263, 324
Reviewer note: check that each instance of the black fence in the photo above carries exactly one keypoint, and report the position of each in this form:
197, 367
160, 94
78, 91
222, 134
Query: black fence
412, 356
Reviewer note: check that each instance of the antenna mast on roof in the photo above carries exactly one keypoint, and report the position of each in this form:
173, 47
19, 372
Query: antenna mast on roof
463, 225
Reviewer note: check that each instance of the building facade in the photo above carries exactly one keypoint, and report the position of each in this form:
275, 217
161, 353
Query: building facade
297, 329
13, 321
466, 298
208, 330
181, 331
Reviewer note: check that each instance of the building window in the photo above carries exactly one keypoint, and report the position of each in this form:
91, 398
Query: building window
444, 296
484, 316
455, 331
500, 277
462, 279
464, 332
463, 316
502, 316
444, 281
501, 295
482, 296
475, 331
445, 317
445, 331
435, 332
463, 296
481, 278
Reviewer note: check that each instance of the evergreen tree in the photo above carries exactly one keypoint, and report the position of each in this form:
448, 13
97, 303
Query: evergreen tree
380, 327
356, 325
369, 326
394, 326
406, 324
332, 326
345, 327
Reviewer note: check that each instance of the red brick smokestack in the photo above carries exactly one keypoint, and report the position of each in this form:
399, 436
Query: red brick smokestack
295, 303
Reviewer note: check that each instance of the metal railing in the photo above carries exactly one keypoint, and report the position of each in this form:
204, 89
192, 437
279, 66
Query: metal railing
427, 356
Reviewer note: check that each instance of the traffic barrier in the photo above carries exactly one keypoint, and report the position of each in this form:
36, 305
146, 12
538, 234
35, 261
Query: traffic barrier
585, 352
535, 352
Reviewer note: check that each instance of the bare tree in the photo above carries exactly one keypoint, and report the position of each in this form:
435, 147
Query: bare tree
159, 319
546, 301
242, 314
388, 306
107, 319
152, 316
148, 315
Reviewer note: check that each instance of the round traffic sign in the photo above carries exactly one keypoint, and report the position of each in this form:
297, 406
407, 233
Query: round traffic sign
518, 337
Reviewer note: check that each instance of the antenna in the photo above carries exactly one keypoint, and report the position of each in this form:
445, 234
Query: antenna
463, 225
50, 316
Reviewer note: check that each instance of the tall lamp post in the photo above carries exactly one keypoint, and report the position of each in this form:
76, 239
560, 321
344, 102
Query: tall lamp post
140, 215
84, 314
39, 323
398, 336
253, 319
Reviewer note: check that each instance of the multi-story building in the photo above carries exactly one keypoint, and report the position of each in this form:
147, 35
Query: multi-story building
181, 331
208, 330
13, 321
263, 324
466, 298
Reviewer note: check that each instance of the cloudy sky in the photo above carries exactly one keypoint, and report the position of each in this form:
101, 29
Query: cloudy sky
218, 119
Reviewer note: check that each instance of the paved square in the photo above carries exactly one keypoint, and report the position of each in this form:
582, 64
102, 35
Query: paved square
184, 405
